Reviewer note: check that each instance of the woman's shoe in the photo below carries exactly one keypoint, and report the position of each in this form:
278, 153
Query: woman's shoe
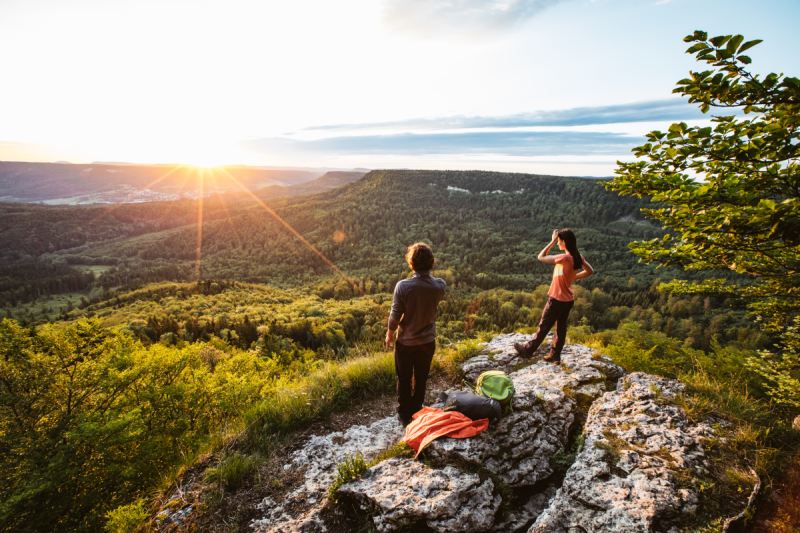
552, 358
523, 348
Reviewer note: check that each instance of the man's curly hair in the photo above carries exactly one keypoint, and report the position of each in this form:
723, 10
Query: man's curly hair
419, 257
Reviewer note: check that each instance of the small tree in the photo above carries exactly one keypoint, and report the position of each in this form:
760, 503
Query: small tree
727, 196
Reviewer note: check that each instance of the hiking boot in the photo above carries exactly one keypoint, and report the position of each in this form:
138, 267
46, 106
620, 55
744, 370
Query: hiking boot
524, 349
552, 358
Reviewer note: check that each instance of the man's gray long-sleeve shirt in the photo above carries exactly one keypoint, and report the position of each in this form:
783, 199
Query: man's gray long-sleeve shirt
414, 308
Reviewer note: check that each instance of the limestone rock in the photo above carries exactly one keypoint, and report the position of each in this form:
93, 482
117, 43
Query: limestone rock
401, 493
498, 354
519, 513
626, 477
519, 447
318, 457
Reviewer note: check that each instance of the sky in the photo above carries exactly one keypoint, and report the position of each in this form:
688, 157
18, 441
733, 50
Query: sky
563, 87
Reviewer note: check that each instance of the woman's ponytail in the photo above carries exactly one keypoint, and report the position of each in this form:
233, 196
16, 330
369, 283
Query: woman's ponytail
571, 243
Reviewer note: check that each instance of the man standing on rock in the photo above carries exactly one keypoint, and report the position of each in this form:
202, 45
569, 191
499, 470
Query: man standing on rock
413, 314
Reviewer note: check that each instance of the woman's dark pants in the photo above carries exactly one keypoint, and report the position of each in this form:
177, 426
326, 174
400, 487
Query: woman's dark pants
555, 312
412, 364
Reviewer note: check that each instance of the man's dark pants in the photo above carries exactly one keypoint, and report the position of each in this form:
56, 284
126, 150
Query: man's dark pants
412, 364
555, 312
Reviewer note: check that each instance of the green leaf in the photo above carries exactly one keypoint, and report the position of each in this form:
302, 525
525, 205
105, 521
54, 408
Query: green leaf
719, 40
696, 36
768, 203
734, 43
696, 48
749, 44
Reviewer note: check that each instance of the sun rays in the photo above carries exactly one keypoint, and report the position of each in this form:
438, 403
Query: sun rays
200, 181
198, 256
299, 236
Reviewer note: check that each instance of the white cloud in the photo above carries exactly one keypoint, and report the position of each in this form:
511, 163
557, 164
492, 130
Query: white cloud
432, 17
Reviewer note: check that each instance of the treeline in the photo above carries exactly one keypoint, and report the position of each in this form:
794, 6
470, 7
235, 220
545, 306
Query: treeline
242, 313
485, 227
32, 278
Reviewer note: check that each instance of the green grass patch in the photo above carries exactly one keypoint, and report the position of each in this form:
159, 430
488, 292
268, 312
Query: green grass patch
233, 470
449, 358
294, 403
353, 467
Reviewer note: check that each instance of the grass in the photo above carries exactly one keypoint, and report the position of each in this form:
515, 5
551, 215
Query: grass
612, 445
295, 404
563, 459
448, 359
353, 467
48, 309
335, 386
233, 470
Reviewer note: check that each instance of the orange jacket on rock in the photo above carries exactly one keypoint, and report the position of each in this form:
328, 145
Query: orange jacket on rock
429, 423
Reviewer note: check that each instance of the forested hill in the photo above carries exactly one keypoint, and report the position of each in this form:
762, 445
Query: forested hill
485, 227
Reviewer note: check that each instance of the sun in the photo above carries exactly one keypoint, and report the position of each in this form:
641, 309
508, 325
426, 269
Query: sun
205, 161
207, 153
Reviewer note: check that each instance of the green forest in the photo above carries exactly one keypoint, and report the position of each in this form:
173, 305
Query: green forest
152, 366
139, 340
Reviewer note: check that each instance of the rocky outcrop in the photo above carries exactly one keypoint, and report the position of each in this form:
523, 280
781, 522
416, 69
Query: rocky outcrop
638, 450
519, 448
300, 509
401, 493
638, 447
517, 451
497, 354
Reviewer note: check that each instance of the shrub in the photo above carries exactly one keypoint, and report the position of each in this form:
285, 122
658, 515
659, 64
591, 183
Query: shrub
126, 518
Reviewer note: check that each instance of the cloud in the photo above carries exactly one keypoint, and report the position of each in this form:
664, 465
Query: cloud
432, 17
509, 143
656, 110
604, 131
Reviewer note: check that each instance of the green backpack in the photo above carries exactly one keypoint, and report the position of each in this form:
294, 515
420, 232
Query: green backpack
497, 385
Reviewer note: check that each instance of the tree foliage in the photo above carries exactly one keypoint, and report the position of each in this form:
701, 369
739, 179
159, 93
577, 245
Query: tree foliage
89, 416
728, 194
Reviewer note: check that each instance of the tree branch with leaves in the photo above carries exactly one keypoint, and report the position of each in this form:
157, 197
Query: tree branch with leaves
728, 195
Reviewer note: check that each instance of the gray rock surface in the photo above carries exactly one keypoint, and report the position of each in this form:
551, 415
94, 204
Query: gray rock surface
401, 493
519, 447
318, 457
638, 444
517, 516
498, 354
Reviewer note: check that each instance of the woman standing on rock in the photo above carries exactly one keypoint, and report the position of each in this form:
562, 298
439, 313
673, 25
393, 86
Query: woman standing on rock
568, 267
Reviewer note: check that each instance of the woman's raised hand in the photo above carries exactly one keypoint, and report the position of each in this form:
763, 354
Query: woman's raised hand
554, 236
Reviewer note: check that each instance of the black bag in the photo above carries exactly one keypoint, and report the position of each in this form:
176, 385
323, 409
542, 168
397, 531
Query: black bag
472, 405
